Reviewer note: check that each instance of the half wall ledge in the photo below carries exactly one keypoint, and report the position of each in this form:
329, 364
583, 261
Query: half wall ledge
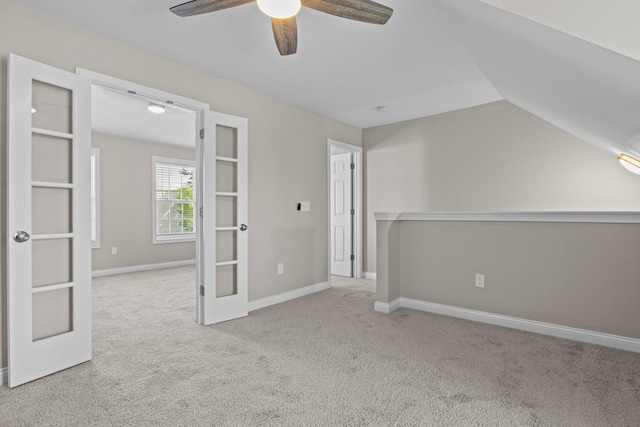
576, 270
547, 216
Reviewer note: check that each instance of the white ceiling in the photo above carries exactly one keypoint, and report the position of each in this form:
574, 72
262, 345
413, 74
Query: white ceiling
612, 23
414, 64
127, 116
432, 56
590, 92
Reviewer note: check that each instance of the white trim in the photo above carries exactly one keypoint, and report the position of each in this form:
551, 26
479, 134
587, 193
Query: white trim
567, 332
145, 267
287, 296
142, 91
387, 308
591, 217
356, 152
200, 108
368, 275
4, 376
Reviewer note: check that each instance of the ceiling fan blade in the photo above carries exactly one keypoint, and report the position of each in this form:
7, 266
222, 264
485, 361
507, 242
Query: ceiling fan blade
197, 7
285, 32
357, 10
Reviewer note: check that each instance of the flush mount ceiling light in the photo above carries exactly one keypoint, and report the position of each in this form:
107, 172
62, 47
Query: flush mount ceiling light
156, 108
279, 9
283, 14
33, 110
629, 163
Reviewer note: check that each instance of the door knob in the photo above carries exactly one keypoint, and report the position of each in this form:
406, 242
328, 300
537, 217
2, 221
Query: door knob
21, 236
243, 227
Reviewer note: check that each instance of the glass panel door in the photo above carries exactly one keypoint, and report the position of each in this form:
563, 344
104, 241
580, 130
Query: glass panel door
49, 264
225, 227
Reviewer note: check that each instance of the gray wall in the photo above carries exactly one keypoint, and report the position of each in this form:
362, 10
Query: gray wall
579, 275
495, 157
287, 144
125, 204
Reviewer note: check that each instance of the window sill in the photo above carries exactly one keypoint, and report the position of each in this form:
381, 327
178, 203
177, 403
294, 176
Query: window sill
173, 239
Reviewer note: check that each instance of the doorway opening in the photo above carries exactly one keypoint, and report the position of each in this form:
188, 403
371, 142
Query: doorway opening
149, 145
344, 190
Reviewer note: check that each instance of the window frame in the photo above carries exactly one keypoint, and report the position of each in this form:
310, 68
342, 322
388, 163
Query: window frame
95, 198
174, 238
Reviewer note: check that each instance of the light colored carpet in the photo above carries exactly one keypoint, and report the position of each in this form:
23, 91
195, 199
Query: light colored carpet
365, 285
321, 360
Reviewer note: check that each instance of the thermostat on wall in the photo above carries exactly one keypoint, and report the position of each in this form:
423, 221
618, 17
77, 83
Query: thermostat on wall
304, 206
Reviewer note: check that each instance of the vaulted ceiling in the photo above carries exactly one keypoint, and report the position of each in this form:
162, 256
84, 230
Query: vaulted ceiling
589, 91
570, 63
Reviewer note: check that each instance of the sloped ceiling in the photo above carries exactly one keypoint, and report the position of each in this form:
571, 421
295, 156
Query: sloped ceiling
612, 24
584, 89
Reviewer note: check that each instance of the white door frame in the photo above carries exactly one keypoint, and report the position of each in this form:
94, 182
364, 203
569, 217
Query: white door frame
166, 98
357, 197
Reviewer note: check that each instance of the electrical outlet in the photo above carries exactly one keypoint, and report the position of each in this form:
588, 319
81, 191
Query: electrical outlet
114, 251
305, 206
479, 280
281, 268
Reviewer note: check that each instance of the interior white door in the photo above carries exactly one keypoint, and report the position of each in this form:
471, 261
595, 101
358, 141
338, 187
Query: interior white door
341, 215
224, 290
48, 212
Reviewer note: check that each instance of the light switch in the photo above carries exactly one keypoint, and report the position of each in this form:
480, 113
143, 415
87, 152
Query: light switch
305, 206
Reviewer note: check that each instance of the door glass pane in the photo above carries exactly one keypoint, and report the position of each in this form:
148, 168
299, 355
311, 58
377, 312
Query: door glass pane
50, 159
51, 262
52, 313
226, 246
51, 107
226, 142
226, 281
226, 177
51, 210
226, 211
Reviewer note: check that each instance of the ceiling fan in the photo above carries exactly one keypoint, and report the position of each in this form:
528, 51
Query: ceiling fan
283, 14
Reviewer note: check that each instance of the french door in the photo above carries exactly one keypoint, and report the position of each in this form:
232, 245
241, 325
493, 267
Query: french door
224, 288
48, 220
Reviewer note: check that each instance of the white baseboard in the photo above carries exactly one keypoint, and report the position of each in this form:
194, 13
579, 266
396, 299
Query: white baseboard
372, 276
135, 268
582, 335
387, 308
287, 296
4, 376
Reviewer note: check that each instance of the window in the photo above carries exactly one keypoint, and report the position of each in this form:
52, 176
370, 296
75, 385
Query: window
95, 198
173, 200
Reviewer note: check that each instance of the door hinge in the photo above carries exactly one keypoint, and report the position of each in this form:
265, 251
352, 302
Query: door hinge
202, 211
353, 211
201, 290
353, 257
353, 166
201, 133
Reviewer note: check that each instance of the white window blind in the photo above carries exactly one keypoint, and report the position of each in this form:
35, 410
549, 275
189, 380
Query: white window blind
174, 200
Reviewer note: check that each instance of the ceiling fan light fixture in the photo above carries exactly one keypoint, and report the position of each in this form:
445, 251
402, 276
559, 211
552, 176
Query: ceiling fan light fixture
156, 108
630, 163
280, 9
